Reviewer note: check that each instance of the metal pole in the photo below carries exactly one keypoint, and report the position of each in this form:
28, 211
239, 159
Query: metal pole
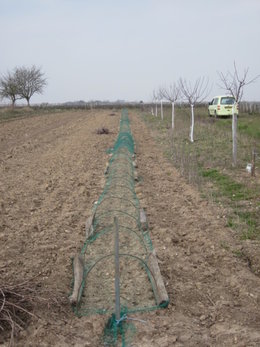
117, 274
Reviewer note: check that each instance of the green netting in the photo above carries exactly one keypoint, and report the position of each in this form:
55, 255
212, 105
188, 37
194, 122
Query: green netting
119, 200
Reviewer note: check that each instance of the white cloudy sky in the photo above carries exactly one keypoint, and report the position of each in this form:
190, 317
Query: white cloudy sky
123, 49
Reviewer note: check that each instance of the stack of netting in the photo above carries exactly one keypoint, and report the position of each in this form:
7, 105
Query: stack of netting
97, 294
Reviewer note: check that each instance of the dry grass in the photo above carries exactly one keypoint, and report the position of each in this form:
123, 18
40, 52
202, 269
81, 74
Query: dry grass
16, 308
18, 303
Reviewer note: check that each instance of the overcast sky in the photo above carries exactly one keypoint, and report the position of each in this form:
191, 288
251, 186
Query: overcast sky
123, 49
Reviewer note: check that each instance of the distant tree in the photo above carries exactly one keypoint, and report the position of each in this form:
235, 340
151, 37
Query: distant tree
194, 93
171, 94
161, 97
234, 84
30, 81
156, 98
9, 88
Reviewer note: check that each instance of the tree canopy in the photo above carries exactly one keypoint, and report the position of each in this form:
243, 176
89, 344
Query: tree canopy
22, 83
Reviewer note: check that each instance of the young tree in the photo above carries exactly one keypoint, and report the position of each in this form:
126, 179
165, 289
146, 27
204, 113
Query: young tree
9, 88
171, 94
30, 81
162, 108
160, 97
193, 94
155, 98
234, 84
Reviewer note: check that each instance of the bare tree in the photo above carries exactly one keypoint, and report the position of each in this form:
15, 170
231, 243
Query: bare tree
171, 94
9, 88
194, 93
161, 97
30, 81
234, 84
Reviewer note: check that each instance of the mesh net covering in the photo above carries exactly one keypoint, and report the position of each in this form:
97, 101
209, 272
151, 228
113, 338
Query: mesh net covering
118, 199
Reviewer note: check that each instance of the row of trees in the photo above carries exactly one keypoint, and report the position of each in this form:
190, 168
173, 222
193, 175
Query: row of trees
232, 82
22, 83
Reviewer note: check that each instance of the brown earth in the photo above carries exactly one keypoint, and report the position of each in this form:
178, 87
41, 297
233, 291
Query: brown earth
51, 170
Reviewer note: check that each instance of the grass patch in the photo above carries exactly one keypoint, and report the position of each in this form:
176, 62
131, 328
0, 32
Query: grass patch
9, 114
250, 126
238, 253
247, 125
227, 186
207, 163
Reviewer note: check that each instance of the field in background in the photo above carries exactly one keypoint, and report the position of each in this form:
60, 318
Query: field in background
8, 113
207, 162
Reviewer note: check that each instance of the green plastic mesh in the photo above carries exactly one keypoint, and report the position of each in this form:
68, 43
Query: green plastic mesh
119, 200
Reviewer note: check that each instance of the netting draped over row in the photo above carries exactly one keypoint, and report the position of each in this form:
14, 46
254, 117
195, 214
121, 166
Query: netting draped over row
118, 199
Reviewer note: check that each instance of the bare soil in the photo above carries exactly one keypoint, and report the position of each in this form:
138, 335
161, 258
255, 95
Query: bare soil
52, 171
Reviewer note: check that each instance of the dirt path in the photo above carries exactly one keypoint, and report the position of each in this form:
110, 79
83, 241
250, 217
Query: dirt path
51, 174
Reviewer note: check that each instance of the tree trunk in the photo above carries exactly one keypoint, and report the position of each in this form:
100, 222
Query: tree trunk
172, 115
156, 109
28, 102
234, 136
192, 123
162, 109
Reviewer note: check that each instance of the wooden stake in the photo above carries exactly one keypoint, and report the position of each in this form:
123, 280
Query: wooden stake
253, 163
78, 269
143, 219
161, 295
89, 226
234, 139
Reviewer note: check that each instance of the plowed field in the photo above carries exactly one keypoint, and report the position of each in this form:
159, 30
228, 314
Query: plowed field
51, 173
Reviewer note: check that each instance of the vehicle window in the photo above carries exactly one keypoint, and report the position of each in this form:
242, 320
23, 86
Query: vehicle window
227, 101
215, 102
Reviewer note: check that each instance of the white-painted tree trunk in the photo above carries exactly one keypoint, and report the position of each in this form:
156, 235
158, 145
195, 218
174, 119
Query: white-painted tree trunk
152, 111
156, 110
234, 135
192, 123
172, 115
162, 109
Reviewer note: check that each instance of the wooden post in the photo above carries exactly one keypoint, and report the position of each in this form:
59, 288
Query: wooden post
234, 139
143, 219
161, 295
89, 226
253, 163
117, 274
78, 270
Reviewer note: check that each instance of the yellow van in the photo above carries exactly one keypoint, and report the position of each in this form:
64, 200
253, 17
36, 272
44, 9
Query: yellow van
222, 106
